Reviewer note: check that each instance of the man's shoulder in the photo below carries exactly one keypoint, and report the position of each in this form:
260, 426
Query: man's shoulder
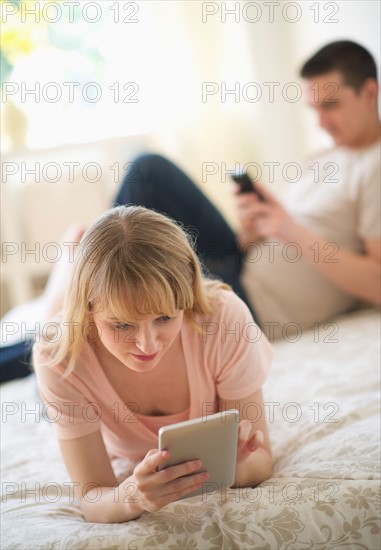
372, 151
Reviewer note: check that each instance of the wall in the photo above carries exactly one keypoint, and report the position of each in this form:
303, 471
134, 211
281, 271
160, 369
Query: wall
178, 49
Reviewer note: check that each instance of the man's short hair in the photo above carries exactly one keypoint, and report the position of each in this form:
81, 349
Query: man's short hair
354, 62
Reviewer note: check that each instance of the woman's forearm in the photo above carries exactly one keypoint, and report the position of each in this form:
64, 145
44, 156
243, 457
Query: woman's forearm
111, 504
255, 469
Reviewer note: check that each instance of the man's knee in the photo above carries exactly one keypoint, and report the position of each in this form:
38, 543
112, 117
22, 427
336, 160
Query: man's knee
149, 163
144, 180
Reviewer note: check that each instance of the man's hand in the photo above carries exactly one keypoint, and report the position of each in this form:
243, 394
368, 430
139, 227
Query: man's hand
357, 274
261, 219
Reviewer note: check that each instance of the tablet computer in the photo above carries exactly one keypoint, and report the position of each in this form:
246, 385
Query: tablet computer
212, 439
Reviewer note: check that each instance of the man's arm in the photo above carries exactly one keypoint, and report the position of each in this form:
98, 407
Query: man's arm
246, 233
357, 274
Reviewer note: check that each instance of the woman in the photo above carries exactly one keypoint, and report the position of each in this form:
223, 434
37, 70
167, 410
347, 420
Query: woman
145, 340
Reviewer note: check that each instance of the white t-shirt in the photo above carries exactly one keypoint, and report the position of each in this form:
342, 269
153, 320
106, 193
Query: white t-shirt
338, 198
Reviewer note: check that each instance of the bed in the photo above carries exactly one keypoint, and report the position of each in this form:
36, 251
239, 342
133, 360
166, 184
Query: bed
323, 398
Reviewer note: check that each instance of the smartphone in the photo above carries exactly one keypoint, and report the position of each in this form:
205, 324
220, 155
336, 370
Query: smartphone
247, 185
212, 439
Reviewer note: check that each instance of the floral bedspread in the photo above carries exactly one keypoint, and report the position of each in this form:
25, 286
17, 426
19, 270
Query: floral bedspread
322, 401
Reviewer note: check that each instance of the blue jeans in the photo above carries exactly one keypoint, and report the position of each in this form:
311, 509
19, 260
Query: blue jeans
15, 361
155, 182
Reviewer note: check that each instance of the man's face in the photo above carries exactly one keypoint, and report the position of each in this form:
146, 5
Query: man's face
343, 112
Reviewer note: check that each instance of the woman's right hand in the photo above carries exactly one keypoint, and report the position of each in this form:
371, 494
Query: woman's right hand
158, 488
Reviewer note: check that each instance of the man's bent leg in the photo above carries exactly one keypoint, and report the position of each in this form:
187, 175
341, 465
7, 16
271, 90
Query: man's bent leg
155, 182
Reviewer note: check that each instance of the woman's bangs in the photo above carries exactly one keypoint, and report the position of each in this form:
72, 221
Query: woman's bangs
134, 300
129, 291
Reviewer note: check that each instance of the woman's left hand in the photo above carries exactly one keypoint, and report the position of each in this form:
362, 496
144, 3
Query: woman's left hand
248, 443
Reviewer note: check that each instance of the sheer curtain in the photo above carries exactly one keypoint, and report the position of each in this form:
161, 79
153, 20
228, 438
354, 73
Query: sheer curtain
209, 84
198, 76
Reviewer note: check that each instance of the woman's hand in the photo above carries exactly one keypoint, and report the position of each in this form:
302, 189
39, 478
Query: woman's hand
254, 461
158, 488
248, 443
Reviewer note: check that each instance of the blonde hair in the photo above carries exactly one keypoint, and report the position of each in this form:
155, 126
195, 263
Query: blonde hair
132, 261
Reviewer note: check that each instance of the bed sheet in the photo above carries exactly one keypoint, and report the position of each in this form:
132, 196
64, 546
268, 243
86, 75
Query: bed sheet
323, 408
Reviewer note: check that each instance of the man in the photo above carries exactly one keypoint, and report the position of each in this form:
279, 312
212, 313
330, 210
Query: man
334, 221
318, 255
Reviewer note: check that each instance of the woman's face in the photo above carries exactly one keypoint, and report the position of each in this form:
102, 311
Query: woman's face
141, 344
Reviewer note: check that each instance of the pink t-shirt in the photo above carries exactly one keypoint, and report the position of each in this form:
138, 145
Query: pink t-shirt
229, 359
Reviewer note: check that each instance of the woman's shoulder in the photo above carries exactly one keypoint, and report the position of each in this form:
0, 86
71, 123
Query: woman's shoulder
49, 372
227, 306
44, 358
